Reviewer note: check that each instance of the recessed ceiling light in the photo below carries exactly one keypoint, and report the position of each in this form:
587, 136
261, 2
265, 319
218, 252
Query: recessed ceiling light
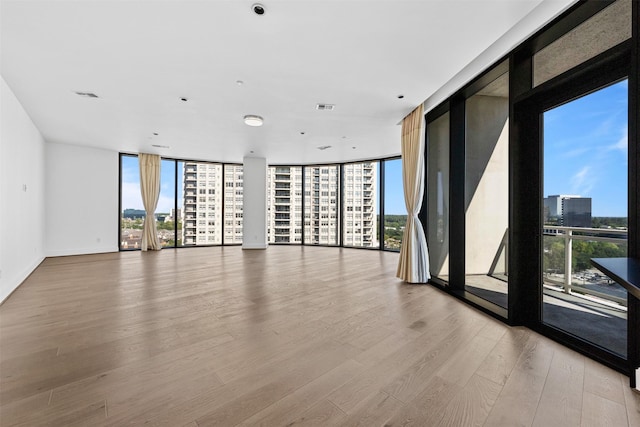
302, 133
155, 133
239, 82
252, 120
183, 99
400, 96
324, 147
87, 94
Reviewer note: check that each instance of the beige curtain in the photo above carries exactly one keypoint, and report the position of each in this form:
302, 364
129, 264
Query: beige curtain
413, 266
150, 189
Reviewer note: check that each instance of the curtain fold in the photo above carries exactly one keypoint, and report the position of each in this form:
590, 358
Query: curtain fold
150, 190
413, 266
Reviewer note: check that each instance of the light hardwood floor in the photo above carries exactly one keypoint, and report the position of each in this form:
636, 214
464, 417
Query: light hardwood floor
282, 337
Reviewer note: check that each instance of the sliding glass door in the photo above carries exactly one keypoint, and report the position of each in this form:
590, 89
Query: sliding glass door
584, 204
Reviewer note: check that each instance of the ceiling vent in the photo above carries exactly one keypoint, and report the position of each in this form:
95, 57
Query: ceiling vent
325, 107
87, 94
324, 147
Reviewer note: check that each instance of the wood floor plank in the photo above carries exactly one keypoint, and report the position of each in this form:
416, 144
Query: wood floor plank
603, 381
561, 401
294, 405
375, 410
518, 400
286, 336
472, 405
632, 402
599, 411
428, 408
498, 365
322, 414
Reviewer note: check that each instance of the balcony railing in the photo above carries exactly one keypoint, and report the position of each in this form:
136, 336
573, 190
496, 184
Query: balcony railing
569, 281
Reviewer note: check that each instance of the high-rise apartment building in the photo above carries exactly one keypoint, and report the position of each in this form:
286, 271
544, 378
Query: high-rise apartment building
233, 203
204, 201
321, 203
284, 199
213, 197
360, 205
320, 191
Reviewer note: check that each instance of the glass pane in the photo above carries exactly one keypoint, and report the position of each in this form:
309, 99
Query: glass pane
487, 191
603, 31
395, 210
179, 216
233, 204
438, 202
360, 210
165, 210
284, 202
585, 215
321, 212
202, 201
133, 212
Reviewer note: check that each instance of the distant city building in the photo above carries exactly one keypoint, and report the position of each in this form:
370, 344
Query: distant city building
320, 191
204, 200
134, 213
360, 214
321, 205
172, 215
207, 202
568, 210
284, 200
233, 203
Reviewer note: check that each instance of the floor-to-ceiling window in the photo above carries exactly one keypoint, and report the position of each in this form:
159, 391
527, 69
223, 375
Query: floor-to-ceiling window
233, 203
132, 211
203, 199
438, 196
395, 210
486, 190
284, 204
360, 205
585, 215
532, 171
165, 210
321, 205
200, 203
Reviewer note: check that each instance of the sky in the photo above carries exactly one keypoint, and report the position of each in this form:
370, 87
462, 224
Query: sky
585, 149
585, 154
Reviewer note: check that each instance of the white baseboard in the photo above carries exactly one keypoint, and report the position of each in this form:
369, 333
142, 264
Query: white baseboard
255, 245
17, 280
82, 251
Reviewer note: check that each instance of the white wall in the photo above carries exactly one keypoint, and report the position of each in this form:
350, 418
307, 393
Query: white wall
544, 13
254, 211
22, 209
81, 200
486, 183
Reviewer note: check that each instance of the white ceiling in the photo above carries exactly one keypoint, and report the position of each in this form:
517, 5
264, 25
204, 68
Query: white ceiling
141, 57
